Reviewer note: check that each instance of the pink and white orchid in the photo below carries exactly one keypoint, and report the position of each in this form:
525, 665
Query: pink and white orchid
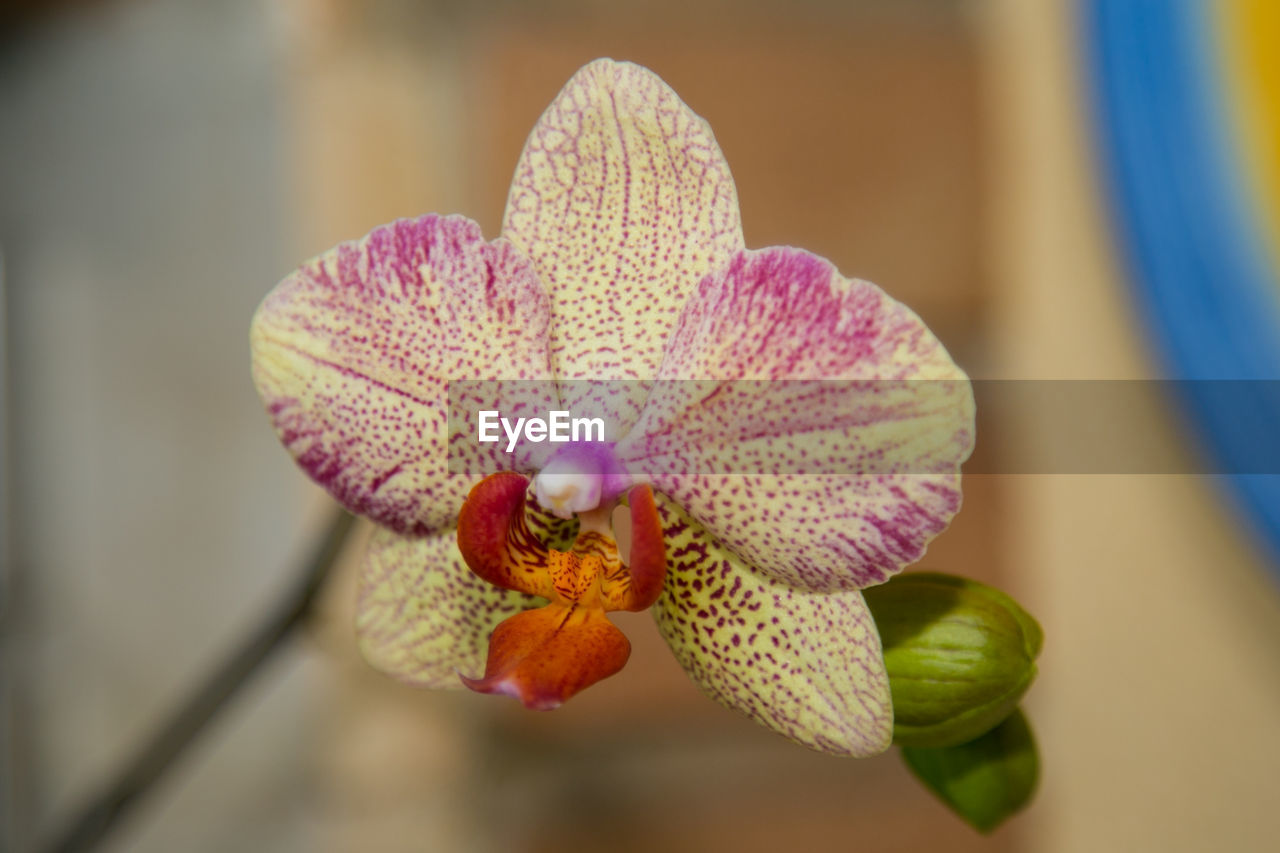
621, 258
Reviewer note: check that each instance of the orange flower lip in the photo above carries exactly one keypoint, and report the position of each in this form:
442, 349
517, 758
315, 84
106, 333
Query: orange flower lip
544, 656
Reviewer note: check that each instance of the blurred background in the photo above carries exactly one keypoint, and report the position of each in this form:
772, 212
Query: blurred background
164, 162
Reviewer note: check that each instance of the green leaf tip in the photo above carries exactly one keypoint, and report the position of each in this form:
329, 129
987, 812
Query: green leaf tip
986, 780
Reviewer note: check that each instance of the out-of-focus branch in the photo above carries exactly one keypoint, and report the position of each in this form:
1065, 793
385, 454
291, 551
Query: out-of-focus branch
104, 811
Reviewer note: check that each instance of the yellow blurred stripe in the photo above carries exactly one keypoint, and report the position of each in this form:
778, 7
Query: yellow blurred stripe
1249, 44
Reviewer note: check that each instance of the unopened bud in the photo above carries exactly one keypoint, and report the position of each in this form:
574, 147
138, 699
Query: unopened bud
959, 654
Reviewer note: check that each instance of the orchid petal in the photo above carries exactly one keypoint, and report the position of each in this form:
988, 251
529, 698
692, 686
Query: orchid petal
352, 354
623, 202
422, 615
814, 425
806, 665
542, 657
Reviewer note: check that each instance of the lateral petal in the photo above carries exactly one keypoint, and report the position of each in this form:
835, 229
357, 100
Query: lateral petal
814, 425
805, 665
353, 352
623, 202
422, 615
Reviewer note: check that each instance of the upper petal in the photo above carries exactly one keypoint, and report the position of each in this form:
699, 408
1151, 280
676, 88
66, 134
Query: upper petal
422, 616
353, 352
823, 439
806, 665
623, 202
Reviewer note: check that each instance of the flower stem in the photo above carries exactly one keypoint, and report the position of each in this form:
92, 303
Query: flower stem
104, 811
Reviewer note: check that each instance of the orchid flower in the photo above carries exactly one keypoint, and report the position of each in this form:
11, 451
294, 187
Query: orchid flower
621, 258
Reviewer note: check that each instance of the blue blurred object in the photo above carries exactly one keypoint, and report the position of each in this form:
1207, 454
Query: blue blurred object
1196, 258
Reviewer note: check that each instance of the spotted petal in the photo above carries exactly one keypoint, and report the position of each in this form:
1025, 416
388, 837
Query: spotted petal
623, 202
422, 615
823, 439
806, 665
353, 352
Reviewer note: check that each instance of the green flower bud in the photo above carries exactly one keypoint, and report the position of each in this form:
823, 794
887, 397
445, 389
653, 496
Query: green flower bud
959, 654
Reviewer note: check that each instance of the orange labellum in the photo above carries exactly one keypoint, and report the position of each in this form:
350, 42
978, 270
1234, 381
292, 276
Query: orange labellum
544, 656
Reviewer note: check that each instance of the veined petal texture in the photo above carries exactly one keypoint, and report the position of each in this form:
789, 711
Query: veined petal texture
806, 665
623, 202
422, 615
353, 352
814, 425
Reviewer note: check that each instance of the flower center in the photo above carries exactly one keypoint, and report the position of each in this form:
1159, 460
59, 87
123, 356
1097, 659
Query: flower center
579, 477
544, 656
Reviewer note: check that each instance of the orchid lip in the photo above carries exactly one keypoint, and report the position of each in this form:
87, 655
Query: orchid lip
544, 655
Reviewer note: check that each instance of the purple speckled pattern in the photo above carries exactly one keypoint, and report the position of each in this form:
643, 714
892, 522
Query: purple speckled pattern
806, 665
622, 258
422, 615
785, 314
623, 202
352, 354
